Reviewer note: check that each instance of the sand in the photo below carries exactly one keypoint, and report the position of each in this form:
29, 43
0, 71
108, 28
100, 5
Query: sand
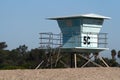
95, 73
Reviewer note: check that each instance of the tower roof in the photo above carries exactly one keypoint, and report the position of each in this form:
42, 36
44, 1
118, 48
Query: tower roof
81, 15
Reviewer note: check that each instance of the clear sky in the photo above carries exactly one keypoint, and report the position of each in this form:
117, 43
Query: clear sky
21, 21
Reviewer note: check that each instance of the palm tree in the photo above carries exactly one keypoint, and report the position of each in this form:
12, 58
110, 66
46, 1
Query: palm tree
113, 53
118, 54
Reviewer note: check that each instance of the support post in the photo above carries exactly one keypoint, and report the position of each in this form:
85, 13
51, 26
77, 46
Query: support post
71, 60
89, 60
75, 59
103, 61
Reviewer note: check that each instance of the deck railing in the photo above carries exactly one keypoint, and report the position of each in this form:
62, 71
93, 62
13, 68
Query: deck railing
56, 40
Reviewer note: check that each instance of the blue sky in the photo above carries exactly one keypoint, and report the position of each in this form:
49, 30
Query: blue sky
21, 21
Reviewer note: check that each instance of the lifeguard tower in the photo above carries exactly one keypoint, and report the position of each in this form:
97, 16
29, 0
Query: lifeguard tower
79, 34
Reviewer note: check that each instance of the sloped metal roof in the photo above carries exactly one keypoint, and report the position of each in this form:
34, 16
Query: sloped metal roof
81, 15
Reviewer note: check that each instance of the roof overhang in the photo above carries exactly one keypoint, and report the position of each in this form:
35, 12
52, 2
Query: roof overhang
79, 16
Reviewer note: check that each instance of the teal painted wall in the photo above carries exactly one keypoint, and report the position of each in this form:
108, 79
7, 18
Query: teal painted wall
70, 29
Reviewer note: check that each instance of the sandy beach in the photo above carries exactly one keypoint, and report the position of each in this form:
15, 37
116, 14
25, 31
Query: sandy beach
95, 73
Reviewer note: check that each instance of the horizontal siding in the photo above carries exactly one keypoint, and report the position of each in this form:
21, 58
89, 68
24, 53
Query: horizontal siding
91, 29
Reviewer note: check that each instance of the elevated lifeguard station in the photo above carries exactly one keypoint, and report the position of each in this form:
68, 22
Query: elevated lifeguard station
79, 33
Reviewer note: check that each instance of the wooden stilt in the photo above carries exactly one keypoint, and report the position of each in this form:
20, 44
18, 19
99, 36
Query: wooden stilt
103, 61
39, 65
89, 61
75, 59
58, 57
71, 60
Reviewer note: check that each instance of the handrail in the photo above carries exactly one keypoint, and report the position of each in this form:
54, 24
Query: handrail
55, 40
